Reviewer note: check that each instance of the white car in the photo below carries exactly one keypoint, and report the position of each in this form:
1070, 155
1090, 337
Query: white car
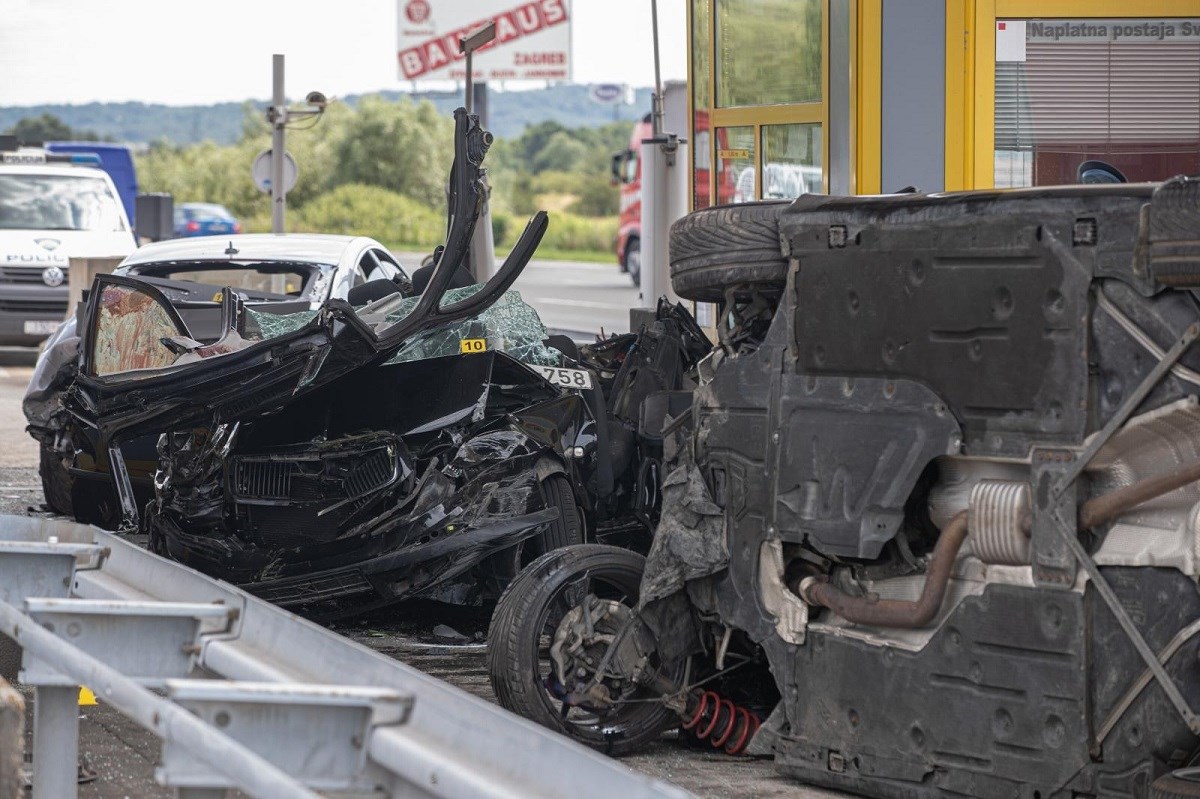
302, 268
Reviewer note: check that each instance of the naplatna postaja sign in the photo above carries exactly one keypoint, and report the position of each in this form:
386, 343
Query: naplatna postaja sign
533, 39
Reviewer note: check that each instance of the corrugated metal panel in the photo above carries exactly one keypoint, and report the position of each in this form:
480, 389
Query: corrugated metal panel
1097, 92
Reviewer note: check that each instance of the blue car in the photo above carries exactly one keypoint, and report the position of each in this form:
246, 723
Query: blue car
204, 219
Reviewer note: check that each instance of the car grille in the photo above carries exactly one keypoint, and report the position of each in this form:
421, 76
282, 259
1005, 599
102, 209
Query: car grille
279, 498
263, 480
47, 307
21, 275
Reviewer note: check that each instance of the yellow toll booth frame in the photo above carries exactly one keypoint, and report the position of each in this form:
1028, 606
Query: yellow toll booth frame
971, 70
970, 84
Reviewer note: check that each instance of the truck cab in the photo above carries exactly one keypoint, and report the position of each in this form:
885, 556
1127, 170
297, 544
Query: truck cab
627, 173
52, 208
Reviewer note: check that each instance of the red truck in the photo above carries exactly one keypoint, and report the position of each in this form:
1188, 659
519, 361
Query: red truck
627, 172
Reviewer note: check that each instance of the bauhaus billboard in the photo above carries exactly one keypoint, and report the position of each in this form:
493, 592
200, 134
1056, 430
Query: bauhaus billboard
533, 39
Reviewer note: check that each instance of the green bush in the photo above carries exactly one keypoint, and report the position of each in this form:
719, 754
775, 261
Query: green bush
355, 209
568, 232
597, 196
502, 228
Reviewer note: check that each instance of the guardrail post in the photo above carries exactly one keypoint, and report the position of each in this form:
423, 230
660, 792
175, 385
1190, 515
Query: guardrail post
55, 743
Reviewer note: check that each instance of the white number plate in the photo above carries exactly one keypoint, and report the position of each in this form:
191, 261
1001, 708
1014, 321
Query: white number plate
41, 328
23, 158
567, 378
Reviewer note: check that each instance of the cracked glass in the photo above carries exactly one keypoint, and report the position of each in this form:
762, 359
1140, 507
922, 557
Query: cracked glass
509, 326
263, 325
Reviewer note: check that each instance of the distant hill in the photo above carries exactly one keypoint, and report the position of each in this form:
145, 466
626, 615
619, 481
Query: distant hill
510, 112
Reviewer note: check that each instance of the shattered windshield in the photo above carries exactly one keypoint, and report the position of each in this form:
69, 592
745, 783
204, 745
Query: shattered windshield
509, 326
130, 328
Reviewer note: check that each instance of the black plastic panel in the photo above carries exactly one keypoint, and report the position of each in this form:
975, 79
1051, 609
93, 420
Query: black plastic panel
982, 297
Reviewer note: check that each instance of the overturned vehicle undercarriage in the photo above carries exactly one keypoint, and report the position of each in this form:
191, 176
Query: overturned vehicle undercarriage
349, 456
932, 526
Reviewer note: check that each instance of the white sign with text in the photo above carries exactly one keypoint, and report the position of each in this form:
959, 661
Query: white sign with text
533, 39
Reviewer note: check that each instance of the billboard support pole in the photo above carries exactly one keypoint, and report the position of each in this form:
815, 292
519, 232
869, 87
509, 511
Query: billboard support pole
483, 247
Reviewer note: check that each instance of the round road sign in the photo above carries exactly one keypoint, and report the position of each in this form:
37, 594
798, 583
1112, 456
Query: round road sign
261, 170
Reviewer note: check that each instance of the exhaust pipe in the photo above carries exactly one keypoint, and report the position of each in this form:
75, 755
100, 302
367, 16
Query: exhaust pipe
905, 614
894, 612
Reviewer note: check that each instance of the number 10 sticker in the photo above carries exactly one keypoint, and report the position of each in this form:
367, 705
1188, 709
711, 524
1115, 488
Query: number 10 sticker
470, 345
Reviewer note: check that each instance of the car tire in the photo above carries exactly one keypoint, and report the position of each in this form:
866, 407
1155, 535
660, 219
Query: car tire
633, 261
515, 643
1182, 784
564, 531
728, 245
502, 568
56, 481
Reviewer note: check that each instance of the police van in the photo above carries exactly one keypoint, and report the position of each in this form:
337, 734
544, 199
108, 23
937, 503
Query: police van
52, 207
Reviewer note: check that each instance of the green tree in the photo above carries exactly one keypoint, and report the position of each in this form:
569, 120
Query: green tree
597, 196
562, 152
46, 127
403, 147
532, 142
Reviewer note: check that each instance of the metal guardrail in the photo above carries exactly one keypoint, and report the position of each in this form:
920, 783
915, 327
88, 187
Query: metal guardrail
246, 695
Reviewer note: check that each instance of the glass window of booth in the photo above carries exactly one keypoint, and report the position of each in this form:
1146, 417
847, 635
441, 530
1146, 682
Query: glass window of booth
758, 102
768, 52
1089, 100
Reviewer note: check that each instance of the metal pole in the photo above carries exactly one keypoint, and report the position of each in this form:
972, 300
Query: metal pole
469, 89
279, 118
55, 743
656, 117
655, 225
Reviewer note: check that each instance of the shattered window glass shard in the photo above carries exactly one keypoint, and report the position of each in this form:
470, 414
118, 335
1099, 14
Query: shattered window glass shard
130, 327
509, 326
262, 325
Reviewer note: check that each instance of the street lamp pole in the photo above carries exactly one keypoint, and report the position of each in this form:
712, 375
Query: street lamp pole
278, 116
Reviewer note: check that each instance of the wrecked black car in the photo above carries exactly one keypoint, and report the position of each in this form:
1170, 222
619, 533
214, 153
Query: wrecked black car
339, 458
292, 273
931, 527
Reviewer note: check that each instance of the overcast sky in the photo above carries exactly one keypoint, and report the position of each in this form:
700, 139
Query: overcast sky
205, 51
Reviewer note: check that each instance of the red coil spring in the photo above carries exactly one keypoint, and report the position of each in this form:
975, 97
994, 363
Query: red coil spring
720, 722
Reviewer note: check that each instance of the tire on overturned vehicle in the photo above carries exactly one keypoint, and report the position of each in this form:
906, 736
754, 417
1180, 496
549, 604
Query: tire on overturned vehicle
531, 618
717, 248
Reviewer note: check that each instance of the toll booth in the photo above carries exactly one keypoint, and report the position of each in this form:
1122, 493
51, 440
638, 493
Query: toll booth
866, 96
